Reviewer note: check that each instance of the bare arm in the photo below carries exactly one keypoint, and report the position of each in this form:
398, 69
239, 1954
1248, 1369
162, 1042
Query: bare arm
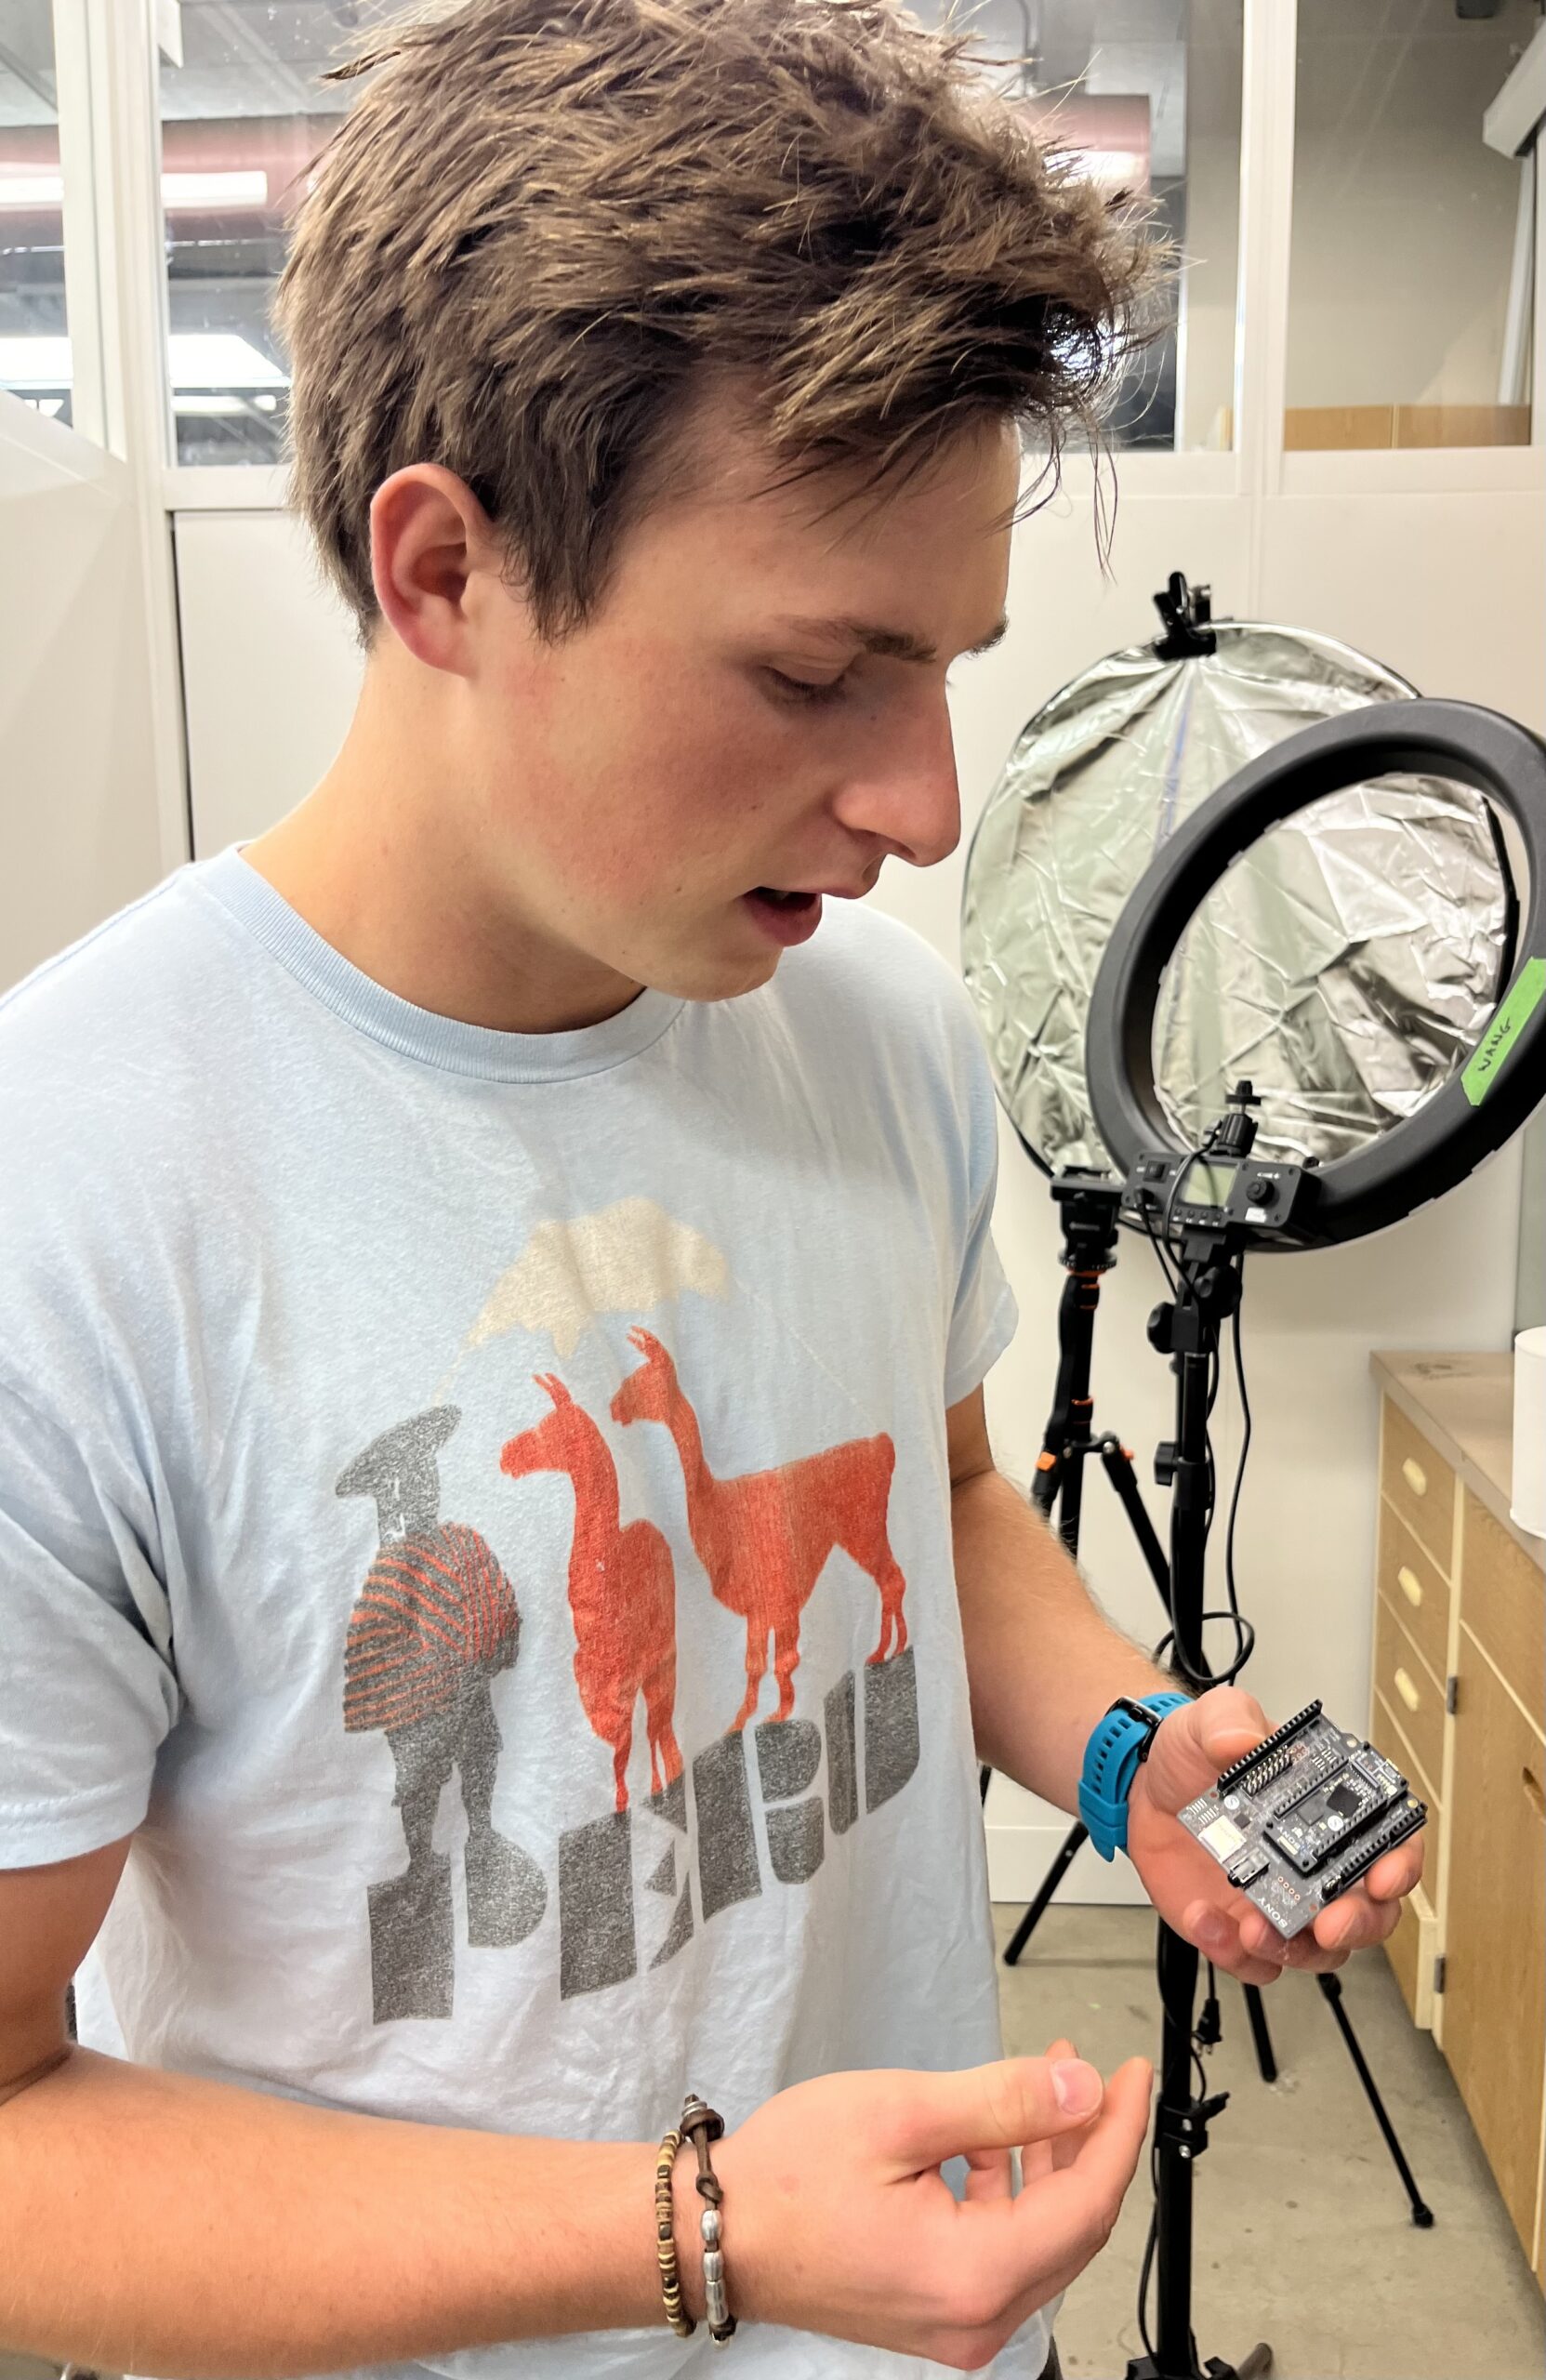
153, 2222
159, 2222
1042, 1662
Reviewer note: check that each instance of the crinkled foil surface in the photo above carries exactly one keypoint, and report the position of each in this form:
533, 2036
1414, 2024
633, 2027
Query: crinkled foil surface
1346, 964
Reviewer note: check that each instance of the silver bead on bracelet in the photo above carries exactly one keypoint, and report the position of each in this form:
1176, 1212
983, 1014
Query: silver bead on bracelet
717, 2305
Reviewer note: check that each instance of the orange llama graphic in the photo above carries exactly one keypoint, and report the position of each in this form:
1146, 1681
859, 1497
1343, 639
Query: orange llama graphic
764, 1537
622, 1590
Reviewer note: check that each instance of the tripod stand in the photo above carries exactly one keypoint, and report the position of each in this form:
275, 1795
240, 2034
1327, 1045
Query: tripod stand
1188, 1331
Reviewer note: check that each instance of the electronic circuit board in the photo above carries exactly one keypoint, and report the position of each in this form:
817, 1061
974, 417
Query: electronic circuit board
1302, 1817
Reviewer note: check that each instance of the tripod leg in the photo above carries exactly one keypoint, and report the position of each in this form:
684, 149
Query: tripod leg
1332, 1990
1256, 2365
1120, 1472
1050, 1884
1177, 1967
1265, 2059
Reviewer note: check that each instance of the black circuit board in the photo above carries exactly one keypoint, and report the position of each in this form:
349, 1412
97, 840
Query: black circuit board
1302, 1817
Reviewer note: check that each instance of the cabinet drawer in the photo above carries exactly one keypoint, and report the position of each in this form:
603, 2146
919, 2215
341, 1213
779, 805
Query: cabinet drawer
1419, 1484
1402, 1678
1495, 1931
1503, 1604
1415, 1588
1385, 1735
1411, 1950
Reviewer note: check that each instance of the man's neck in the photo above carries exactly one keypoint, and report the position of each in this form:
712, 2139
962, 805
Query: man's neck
373, 865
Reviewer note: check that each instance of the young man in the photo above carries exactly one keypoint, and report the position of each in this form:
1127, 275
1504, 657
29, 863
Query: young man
502, 1261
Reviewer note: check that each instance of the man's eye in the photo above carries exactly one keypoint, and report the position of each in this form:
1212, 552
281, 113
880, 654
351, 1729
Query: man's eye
806, 690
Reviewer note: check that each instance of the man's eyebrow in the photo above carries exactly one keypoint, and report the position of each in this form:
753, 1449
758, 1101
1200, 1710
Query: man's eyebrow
892, 645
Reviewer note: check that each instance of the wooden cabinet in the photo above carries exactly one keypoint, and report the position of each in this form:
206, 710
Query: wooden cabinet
1494, 1952
1458, 1689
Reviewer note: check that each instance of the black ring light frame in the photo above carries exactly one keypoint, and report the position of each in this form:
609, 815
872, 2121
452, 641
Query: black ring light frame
1483, 1102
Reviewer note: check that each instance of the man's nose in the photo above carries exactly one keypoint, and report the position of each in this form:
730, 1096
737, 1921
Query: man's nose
909, 794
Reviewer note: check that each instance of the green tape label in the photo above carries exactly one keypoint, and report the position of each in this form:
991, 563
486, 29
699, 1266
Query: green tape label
1487, 1062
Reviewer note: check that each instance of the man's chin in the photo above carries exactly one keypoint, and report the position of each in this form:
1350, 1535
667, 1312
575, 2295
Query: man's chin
704, 973
722, 979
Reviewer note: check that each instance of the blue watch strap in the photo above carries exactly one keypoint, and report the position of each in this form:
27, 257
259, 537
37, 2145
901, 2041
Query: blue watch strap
1112, 1758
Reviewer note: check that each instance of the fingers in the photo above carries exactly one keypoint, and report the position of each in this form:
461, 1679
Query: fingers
1356, 1922
990, 2174
1038, 2157
1251, 1950
1394, 1876
1065, 2217
988, 2107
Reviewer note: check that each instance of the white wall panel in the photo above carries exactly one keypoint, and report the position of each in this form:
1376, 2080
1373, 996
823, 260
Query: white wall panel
80, 832
1448, 589
271, 670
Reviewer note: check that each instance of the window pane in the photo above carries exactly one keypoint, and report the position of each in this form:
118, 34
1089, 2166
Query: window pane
1409, 238
244, 116
35, 344
1149, 92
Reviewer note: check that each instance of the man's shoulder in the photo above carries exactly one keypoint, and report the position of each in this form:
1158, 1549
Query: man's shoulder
111, 988
105, 1060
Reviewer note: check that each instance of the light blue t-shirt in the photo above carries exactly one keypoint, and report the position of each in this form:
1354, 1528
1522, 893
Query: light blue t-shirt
477, 1504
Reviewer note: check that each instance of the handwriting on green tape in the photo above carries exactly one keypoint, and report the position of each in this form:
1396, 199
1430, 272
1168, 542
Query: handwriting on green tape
1487, 1062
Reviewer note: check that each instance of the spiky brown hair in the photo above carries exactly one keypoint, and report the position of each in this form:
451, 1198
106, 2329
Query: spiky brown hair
548, 227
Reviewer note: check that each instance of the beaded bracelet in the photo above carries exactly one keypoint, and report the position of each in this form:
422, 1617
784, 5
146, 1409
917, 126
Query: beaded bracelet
665, 2239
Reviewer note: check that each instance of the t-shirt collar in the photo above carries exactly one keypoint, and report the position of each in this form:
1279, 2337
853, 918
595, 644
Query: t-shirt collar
420, 1033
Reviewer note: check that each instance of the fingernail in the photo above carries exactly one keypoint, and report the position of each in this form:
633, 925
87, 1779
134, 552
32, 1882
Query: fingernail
1076, 2087
1212, 1934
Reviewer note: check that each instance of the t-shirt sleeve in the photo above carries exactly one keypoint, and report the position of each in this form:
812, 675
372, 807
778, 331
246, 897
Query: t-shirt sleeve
88, 1688
985, 1315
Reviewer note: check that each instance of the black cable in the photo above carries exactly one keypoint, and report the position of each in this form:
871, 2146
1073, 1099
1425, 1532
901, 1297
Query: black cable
1240, 1481
1159, 1252
1148, 2255
1182, 1287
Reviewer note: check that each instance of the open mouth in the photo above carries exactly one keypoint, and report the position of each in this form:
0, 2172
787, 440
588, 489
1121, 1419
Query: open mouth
788, 917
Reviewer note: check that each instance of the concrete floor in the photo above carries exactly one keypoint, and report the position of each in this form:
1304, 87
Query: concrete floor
1303, 2233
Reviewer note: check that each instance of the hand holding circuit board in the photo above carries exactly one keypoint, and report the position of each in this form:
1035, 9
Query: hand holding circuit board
1297, 1822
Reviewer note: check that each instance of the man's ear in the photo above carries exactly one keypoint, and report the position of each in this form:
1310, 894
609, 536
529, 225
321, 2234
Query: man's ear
428, 538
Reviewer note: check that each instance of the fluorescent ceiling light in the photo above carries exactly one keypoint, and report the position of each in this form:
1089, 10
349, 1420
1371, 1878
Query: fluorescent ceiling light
23, 188
1116, 168
186, 192
41, 363
221, 360
188, 404
1512, 122
214, 360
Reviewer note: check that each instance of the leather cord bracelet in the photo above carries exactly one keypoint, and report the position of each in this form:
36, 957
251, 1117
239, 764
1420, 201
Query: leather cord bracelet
700, 2124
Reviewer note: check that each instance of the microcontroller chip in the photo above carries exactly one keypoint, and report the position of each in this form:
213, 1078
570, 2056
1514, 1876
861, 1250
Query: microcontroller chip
1302, 1817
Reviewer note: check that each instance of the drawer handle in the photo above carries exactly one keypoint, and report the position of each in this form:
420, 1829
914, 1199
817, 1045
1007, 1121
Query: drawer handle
1410, 1585
1415, 1477
1532, 1787
1406, 1690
